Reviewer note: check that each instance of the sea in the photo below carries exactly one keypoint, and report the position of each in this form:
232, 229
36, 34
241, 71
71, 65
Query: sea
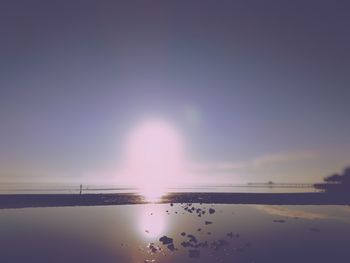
187, 232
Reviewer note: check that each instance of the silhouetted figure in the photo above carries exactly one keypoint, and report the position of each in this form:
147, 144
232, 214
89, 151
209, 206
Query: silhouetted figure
81, 189
336, 183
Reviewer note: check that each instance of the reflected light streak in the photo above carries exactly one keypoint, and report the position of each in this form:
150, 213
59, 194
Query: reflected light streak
152, 221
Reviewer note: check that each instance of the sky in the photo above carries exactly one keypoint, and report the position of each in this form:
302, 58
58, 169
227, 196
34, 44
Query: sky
258, 90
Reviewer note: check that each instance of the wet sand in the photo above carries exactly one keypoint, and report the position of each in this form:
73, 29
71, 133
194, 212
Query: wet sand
63, 200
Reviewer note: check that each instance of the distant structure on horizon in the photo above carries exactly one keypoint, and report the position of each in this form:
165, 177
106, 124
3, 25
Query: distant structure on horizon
281, 185
336, 183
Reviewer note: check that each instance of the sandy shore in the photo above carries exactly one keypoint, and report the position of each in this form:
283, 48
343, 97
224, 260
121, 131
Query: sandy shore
57, 200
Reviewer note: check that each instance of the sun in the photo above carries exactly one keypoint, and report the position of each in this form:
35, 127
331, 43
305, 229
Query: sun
154, 157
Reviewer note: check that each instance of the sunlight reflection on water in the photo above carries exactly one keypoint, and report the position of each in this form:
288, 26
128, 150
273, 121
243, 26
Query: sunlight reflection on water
152, 221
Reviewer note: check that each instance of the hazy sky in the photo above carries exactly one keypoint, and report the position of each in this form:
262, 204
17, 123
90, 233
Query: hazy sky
258, 89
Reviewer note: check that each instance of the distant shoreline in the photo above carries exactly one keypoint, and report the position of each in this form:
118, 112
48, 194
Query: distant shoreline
67, 200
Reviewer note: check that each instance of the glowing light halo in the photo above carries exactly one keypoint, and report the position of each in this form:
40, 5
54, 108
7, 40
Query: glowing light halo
154, 158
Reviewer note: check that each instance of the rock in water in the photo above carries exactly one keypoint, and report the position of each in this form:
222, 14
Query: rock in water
166, 240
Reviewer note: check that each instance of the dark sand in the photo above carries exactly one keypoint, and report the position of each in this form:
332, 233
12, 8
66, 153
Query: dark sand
61, 200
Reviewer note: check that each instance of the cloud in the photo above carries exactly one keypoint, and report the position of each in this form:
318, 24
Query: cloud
280, 167
216, 166
281, 158
259, 162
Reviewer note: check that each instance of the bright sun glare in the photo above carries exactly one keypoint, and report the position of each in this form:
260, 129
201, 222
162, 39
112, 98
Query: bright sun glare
154, 158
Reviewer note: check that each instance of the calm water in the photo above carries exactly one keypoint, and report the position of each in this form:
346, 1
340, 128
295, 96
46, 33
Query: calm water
71, 189
131, 233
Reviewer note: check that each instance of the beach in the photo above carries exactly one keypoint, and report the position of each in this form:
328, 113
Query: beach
57, 200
